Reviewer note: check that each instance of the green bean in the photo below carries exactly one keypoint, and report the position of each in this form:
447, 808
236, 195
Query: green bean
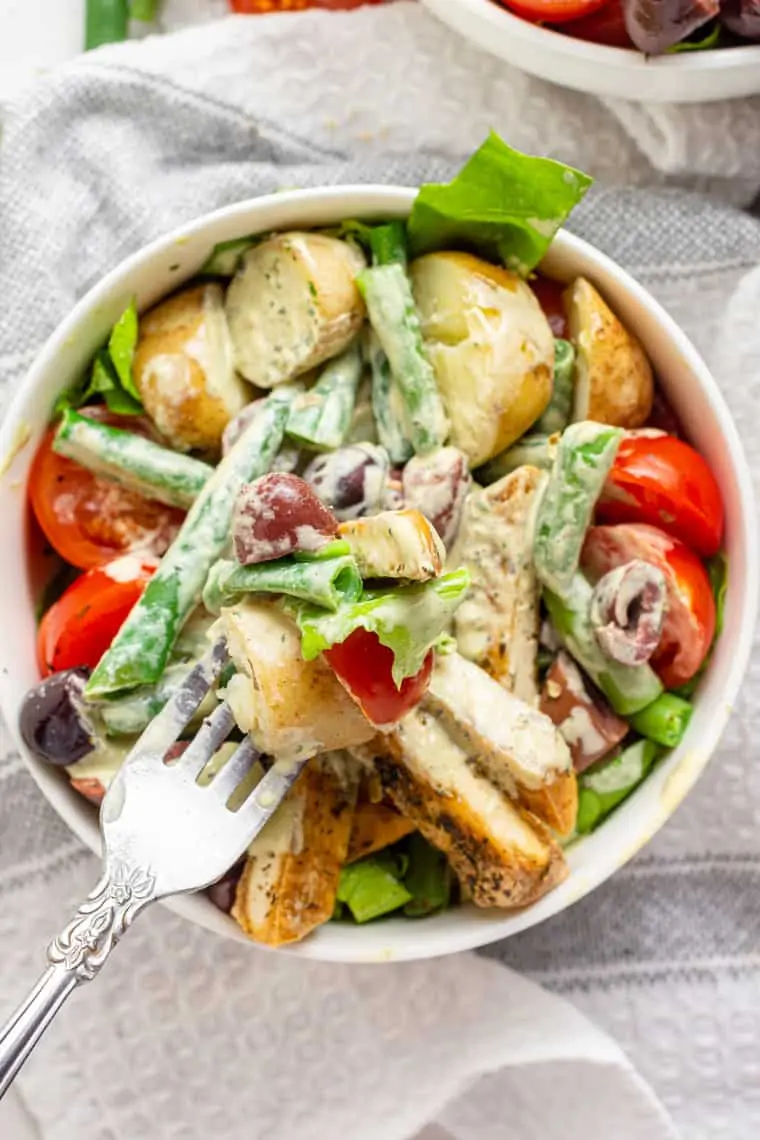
388, 244
534, 450
146, 10
325, 582
603, 787
140, 650
557, 415
586, 452
132, 461
628, 688
106, 22
428, 878
370, 888
665, 720
393, 315
320, 418
387, 405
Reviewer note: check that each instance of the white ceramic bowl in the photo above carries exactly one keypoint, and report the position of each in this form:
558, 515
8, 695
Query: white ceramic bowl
619, 73
163, 266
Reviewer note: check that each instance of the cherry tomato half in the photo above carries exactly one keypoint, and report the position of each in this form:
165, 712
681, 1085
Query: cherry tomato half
256, 7
363, 666
89, 520
690, 616
80, 626
549, 295
552, 11
607, 26
664, 482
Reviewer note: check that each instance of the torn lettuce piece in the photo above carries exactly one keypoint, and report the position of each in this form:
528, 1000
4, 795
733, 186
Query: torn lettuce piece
408, 620
111, 373
371, 888
121, 348
502, 203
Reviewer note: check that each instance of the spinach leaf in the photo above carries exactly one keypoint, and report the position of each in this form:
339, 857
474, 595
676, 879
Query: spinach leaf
501, 203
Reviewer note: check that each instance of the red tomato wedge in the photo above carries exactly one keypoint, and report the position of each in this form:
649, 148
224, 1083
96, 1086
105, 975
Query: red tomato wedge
606, 26
664, 482
690, 618
552, 11
363, 666
80, 626
549, 294
89, 520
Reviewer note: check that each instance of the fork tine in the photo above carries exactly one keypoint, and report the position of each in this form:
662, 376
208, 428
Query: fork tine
209, 737
166, 726
269, 793
235, 770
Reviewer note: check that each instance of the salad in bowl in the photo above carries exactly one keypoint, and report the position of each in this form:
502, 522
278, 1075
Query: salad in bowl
463, 556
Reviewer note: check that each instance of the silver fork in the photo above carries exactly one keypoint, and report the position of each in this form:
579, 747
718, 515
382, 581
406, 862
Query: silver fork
162, 834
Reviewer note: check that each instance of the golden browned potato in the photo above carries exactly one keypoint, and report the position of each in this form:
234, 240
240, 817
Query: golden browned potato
293, 304
184, 371
291, 707
490, 346
291, 874
504, 856
517, 747
374, 827
613, 377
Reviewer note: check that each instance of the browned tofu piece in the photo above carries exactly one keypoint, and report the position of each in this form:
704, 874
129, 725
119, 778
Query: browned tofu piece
374, 827
504, 856
515, 745
585, 720
290, 878
497, 624
395, 544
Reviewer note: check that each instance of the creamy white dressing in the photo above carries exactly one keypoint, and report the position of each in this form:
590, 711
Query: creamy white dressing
578, 730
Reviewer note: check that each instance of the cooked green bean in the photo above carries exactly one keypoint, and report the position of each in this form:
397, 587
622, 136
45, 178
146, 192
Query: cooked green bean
665, 720
132, 461
320, 418
628, 688
534, 449
585, 454
106, 22
387, 405
388, 244
393, 315
603, 787
557, 415
325, 582
140, 650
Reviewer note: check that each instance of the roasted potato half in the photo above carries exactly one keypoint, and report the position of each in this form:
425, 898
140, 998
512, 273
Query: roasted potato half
613, 377
490, 346
291, 874
293, 304
184, 371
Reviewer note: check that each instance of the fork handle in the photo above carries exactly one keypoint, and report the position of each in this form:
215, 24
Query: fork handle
25, 1028
75, 956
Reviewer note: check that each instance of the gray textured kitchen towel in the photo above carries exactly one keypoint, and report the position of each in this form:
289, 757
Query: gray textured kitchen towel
111, 152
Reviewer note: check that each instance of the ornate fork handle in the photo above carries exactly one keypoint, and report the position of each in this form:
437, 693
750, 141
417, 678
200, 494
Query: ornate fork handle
75, 956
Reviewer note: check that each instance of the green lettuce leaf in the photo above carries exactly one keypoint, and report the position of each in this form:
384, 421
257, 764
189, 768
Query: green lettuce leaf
408, 620
501, 203
121, 348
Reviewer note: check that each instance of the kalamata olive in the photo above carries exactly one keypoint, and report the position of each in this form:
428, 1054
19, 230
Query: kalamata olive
437, 485
628, 611
239, 423
52, 723
351, 481
222, 892
655, 25
742, 17
589, 726
279, 514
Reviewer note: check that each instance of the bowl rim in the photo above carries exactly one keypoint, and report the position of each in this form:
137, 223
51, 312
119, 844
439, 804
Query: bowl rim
434, 937
586, 51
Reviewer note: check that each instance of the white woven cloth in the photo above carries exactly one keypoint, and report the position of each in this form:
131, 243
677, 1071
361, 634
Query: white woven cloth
186, 1036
